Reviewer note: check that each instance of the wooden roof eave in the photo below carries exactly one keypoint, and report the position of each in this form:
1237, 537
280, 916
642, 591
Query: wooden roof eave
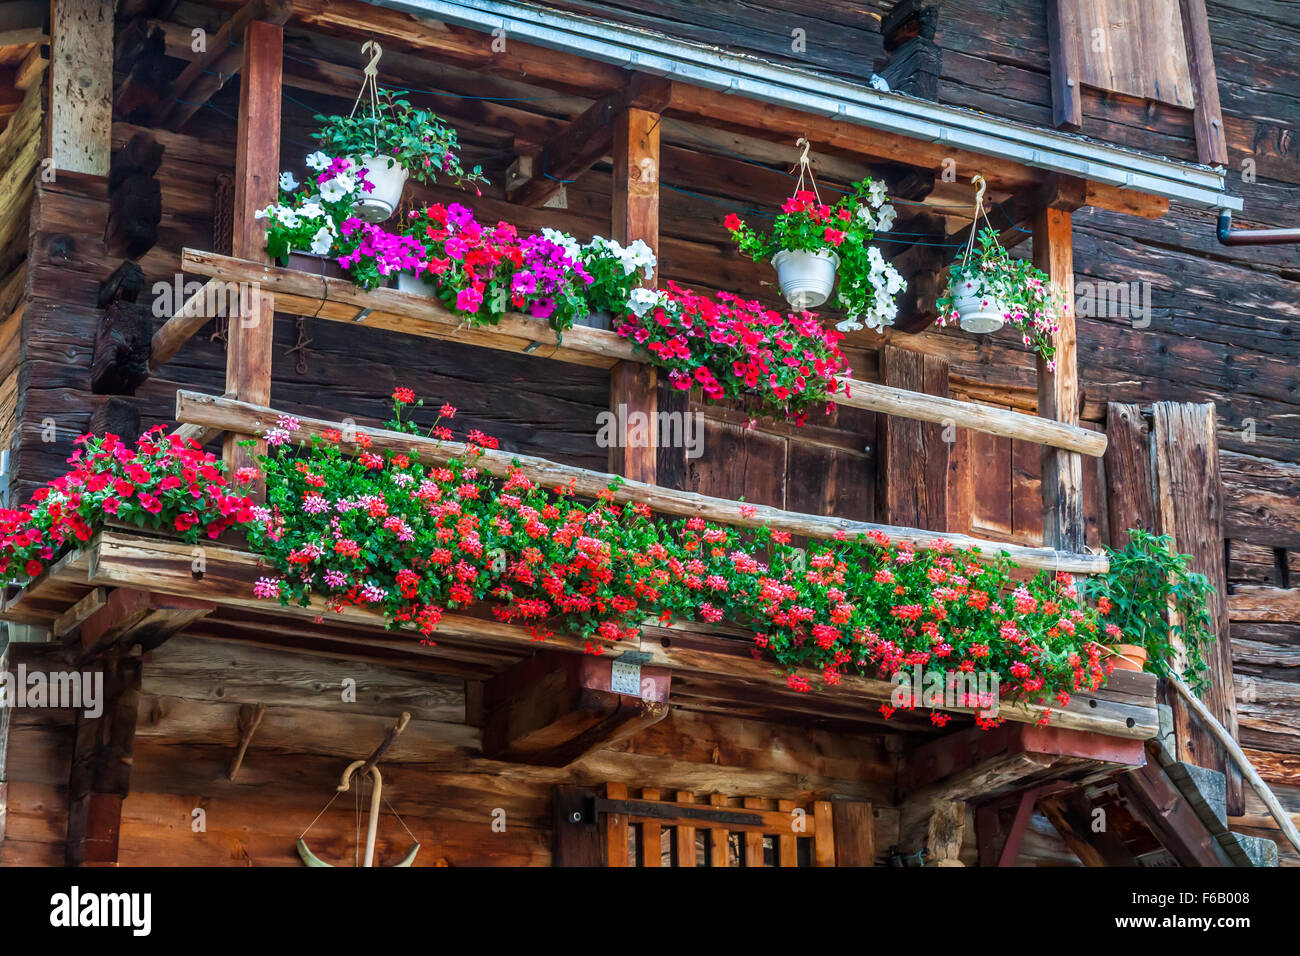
591, 58
717, 87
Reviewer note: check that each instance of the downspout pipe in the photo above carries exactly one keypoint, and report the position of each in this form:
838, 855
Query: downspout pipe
1253, 237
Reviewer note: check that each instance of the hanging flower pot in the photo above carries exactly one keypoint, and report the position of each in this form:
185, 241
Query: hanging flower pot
977, 311
814, 244
806, 277
988, 289
388, 176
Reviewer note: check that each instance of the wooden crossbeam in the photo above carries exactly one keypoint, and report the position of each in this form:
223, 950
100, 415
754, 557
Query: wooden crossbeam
130, 616
1155, 801
233, 416
223, 58
162, 566
555, 708
588, 138
341, 301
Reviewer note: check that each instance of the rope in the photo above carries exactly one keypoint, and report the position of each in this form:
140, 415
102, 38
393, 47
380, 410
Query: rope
321, 814
400, 820
370, 84
805, 168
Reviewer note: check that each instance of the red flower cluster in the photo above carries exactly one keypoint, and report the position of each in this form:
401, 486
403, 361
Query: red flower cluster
165, 482
734, 348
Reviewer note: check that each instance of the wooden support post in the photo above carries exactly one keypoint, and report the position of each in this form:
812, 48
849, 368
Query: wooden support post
933, 828
1130, 487
257, 171
1058, 387
81, 86
912, 488
578, 840
855, 834
636, 216
100, 776
1189, 507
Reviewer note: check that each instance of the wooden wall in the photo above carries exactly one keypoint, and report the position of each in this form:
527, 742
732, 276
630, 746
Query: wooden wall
449, 796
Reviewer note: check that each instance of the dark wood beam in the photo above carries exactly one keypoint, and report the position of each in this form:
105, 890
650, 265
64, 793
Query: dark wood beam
589, 138
100, 775
224, 57
553, 708
129, 617
1072, 816
1156, 802
1066, 53
1207, 117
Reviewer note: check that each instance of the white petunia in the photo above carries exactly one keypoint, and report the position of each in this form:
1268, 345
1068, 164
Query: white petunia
318, 161
640, 301
885, 221
851, 324
311, 210
564, 241
321, 242
876, 192
287, 182
334, 189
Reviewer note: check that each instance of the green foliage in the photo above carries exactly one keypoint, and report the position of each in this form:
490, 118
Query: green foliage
418, 139
1149, 582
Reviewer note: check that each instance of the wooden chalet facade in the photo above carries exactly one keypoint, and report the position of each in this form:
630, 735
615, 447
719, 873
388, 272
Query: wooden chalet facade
140, 136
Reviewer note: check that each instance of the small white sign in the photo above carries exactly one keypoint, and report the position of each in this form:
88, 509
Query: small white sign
625, 678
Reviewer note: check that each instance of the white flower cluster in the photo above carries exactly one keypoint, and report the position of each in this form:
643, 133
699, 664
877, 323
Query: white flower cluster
635, 255
641, 300
885, 282
311, 212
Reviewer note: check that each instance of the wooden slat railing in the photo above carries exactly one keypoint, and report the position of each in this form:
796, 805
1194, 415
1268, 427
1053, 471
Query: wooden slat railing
339, 300
231, 415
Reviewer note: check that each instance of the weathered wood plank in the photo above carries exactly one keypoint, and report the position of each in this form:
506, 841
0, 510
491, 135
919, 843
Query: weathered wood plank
231, 415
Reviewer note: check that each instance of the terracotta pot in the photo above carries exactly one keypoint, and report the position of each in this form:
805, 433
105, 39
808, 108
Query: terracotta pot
976, 311
388, 176
1129, 657
806, 277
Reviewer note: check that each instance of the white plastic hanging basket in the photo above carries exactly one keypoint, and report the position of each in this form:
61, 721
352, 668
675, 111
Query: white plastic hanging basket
977, 311
388, 177
806, 277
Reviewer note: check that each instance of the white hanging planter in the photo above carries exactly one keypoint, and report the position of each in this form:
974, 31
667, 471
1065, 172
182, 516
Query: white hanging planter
388, 176
806, 277
977, 311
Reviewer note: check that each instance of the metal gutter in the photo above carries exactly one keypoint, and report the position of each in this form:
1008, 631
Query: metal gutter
828, 96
